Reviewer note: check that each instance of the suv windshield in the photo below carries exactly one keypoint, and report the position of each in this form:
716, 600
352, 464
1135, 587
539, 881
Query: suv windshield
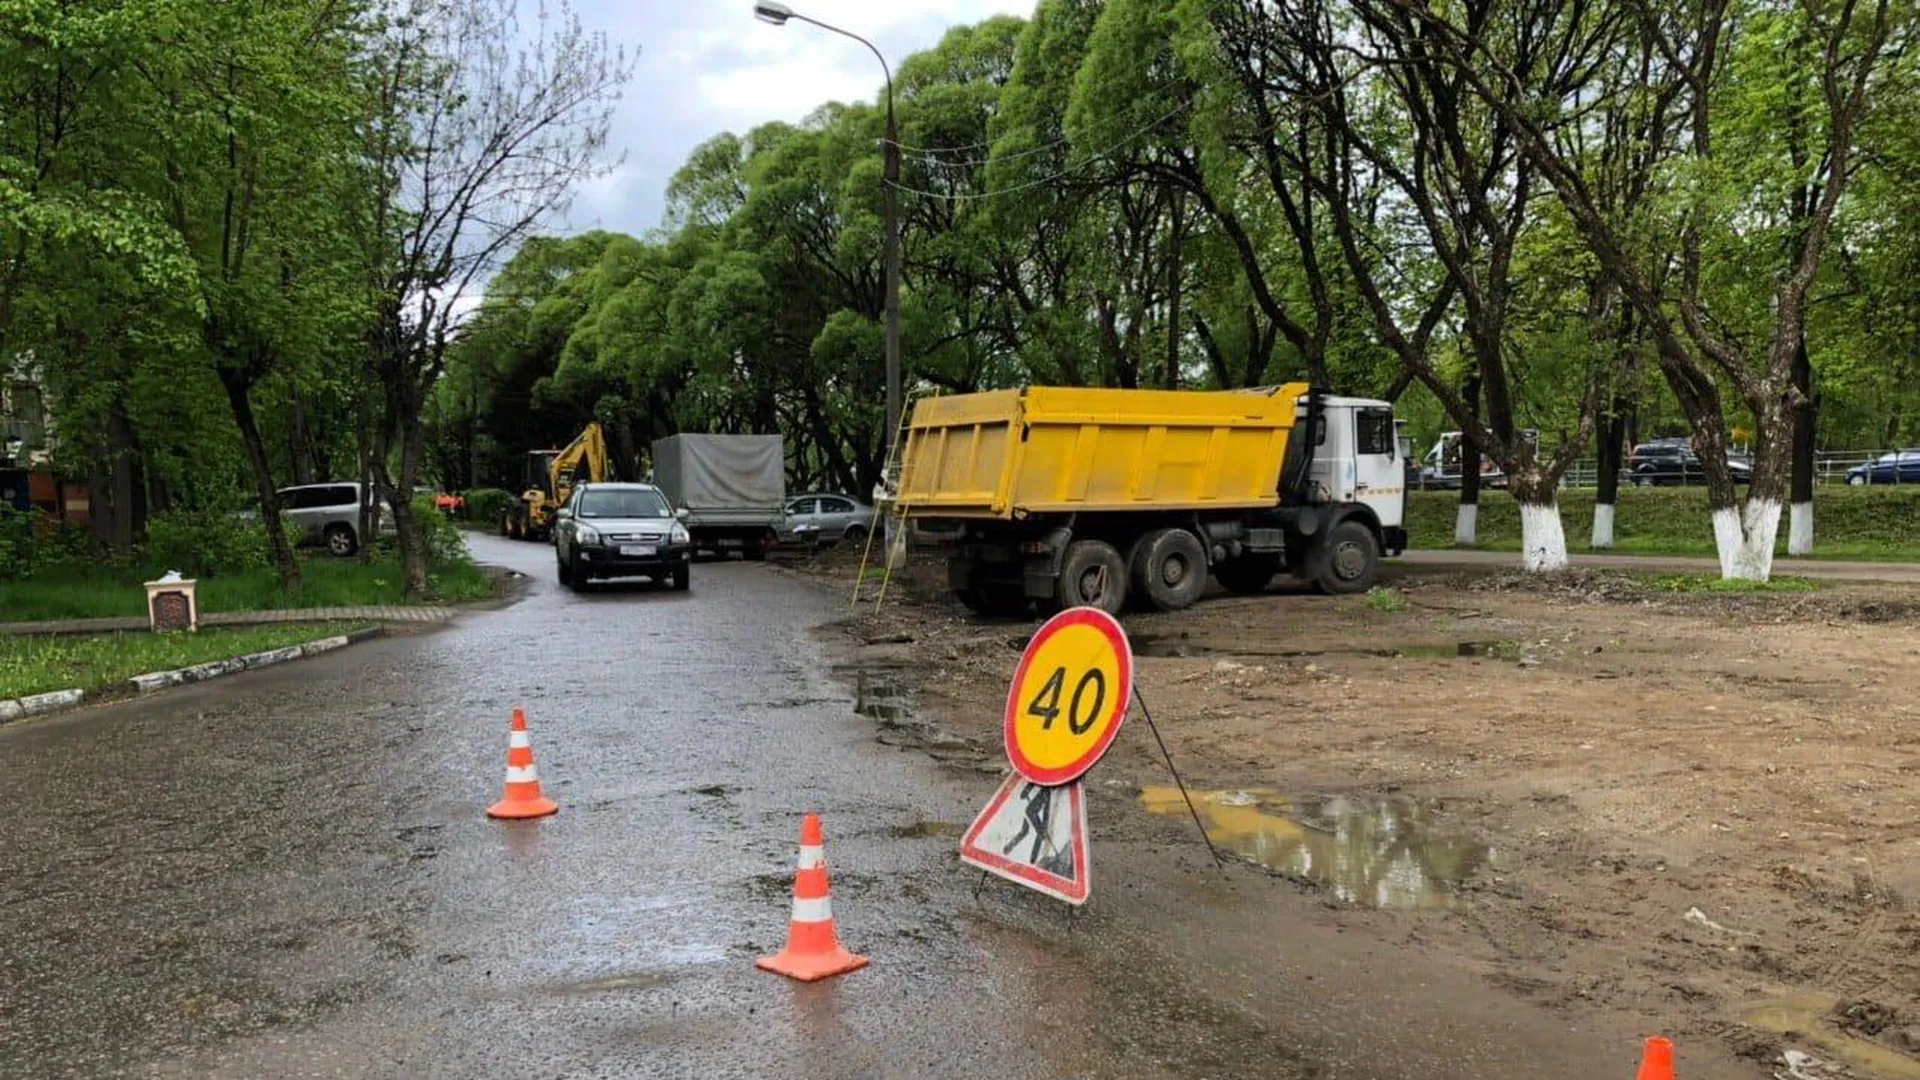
626, 503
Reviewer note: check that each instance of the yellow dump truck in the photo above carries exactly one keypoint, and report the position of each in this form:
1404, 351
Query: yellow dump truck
1070, 496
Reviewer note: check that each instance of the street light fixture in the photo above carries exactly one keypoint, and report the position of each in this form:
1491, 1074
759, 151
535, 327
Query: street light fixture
777, 14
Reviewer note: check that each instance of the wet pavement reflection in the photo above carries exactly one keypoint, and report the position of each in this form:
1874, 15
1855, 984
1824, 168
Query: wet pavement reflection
1374, 851
289, 872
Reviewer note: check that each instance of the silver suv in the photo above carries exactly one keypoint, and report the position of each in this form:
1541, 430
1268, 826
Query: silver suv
328, 514
621, 530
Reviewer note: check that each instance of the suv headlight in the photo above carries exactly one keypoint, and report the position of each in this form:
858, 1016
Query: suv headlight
587, 535
679, 535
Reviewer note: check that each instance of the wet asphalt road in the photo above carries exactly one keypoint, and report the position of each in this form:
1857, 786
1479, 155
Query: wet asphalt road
289, 873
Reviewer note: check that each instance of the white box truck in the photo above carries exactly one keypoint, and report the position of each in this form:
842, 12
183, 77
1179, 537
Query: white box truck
733, 487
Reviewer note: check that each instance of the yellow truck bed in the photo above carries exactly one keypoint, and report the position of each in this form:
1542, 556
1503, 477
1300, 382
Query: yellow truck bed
1011, 453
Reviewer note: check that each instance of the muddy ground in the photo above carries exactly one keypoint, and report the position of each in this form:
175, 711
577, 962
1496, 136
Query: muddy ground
1595, 792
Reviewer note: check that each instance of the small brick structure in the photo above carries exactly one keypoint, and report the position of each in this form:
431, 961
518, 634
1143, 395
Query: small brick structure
172, 605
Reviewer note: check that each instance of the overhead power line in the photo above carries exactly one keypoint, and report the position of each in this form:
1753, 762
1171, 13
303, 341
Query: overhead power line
1068, 171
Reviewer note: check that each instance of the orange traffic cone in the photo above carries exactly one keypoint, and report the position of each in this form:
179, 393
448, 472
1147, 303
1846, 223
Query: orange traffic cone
813, 949
523, 798
1656, 1061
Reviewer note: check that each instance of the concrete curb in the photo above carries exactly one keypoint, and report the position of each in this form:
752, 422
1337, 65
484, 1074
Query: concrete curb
38, 704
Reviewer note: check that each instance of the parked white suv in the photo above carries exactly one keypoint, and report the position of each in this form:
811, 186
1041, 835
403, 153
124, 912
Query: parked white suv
328, 514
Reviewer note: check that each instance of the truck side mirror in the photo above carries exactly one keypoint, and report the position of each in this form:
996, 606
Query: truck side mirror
563, 514
681, 513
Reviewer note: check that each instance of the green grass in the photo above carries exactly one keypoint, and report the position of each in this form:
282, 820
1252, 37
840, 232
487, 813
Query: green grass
1869, 524
32, 664
1709, 583
75, 592
1381, 598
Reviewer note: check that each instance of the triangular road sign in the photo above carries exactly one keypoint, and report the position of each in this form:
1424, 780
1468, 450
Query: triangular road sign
1036, 836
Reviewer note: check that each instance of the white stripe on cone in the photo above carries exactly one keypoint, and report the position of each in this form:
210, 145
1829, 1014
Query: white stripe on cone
517, 740
811, 857
517, 775
819, 910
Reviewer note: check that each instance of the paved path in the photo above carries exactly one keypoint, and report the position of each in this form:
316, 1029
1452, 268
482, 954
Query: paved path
1812, 568
289, 874
361, 613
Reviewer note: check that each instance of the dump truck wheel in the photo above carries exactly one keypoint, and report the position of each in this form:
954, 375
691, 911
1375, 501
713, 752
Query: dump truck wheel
1247, 574
1092, 575
1169, 569
1347, 560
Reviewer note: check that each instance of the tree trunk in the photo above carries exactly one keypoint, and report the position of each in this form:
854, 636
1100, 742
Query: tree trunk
1613, 447
263, 482
100, 508
1174, 273
1543, 538
120, 463
1466, 522
414, 563
1805, 429
298, 443
1744, 535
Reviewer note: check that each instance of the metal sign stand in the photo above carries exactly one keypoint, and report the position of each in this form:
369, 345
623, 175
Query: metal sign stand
1219, 861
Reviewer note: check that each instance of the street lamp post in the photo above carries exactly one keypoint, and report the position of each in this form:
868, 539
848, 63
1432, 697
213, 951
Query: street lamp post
777, 14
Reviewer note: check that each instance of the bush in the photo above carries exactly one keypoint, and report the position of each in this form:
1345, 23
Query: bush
31, 541
445, 544
205, 543
17, 548
489, 505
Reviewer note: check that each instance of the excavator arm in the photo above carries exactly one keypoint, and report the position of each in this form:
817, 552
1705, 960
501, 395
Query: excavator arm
588, 453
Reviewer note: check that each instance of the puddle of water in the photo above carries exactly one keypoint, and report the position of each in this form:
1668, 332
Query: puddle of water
1183, 646
1805, 1016
1380, 852
1508, 651
877, 698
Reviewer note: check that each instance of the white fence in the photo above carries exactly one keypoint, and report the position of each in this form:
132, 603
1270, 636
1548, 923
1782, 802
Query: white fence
1829, 467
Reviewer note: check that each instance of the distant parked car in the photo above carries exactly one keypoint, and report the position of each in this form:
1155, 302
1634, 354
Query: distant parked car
1892, 467
327, 514
1667, 462
819, 518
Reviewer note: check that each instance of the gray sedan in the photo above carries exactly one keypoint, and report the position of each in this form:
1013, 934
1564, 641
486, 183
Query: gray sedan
820, 518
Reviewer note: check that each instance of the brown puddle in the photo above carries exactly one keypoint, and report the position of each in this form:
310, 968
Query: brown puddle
1806, 1017
1378, 852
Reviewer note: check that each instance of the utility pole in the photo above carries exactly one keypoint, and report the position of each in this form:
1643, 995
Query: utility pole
777, 14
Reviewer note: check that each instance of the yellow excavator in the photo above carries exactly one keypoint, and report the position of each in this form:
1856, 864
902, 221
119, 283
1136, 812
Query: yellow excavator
551, 475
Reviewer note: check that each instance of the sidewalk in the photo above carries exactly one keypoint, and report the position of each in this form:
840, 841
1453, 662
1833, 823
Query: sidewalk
1831, 569
370, 613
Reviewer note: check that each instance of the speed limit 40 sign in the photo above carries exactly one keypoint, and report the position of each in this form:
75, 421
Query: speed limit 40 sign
1069, 696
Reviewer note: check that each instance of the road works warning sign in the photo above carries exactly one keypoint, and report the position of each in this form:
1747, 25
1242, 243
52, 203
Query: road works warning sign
1034, 835
1069, 695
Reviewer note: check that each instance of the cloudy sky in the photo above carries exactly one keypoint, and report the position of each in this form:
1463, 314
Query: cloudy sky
707, 66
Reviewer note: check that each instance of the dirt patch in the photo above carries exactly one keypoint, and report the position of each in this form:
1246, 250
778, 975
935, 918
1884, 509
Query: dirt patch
1702, 804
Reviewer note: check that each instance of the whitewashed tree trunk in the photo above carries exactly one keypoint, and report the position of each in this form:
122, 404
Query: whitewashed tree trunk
1745, 541
1543, 539
1466, 525
1602, 526
1800, 529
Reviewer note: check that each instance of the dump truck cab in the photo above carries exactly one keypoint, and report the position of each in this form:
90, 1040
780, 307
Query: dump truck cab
1357, 461
1078, 496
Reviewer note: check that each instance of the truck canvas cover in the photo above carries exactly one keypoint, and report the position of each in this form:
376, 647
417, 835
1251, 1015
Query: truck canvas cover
722, 472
